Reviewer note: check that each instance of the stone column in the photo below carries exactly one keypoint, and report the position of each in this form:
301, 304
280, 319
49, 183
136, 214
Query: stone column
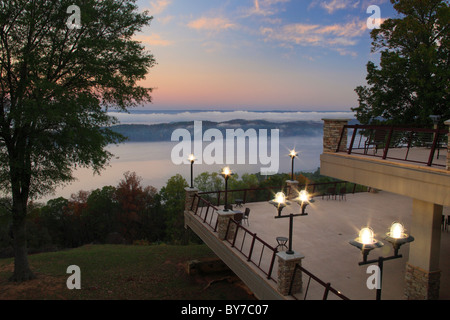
332, 129
448, 144
292, 189
223, 218
190, 193
422, 271
286, 267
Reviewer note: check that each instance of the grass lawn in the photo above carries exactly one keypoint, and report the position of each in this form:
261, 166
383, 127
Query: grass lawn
155, 272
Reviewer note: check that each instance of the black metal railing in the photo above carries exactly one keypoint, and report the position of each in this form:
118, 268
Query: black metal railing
258, 252
205, 210
249, 195
253, 248
327, 288
396, 143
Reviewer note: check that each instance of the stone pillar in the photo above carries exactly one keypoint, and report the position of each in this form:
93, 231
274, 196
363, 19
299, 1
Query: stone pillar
223, 218
332, 129
190, 193
286, 267
292, 189
448, 144
422, 272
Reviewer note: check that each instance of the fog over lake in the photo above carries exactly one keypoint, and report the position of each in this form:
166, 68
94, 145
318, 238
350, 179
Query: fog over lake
152, 160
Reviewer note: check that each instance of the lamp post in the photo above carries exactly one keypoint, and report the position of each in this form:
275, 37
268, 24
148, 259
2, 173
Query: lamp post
292, 154
226, 173
366, 242
280, 202
192, 159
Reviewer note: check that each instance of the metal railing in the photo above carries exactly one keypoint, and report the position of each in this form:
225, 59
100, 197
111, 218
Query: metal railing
205, 210
208, 214
246, 194
256, 250
253, 248
327, 288
396, 143
265, 194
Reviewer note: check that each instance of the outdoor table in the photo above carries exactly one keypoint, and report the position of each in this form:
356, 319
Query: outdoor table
282, 242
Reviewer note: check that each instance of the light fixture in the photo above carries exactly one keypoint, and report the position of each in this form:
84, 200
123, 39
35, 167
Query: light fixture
303, 196
292, 154
397, 236
192, 160
304, 199
366, 242
226, 173
279, 201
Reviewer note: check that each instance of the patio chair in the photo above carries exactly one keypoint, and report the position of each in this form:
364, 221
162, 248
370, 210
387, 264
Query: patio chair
246, 214
342, 193
331, 192
376, 140
238, 217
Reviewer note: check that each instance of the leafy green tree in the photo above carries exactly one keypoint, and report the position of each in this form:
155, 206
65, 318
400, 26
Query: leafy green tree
207, 181
173, 197
412, 79
100, 214
53, 217
56, 85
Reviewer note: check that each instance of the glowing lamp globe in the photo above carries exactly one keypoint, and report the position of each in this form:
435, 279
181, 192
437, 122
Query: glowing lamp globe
397, 236
303, 196
366, 240
280, 198
226, 171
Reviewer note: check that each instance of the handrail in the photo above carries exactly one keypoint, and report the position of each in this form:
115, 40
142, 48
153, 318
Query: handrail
203, 214
205, 210
312, 187
208, 214
327, 286
395, 138
251, 254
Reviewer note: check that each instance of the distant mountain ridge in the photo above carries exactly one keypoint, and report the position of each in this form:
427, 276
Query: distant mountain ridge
163, 131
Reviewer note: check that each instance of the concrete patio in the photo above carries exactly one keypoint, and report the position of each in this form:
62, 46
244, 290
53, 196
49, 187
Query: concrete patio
323, 235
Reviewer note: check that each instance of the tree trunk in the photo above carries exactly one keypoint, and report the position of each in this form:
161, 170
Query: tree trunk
22, 271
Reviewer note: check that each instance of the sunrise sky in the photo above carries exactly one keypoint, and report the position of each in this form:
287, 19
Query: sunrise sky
305, 55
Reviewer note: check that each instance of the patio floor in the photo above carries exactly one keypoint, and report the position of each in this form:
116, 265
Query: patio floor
323, 235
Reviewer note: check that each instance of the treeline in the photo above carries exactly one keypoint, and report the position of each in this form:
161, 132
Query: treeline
124, 214
128, 213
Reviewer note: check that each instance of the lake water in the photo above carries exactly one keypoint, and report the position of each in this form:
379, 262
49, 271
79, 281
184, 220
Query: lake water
152, 162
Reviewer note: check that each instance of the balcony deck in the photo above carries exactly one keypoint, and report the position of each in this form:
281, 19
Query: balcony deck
416, 156
322, 237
